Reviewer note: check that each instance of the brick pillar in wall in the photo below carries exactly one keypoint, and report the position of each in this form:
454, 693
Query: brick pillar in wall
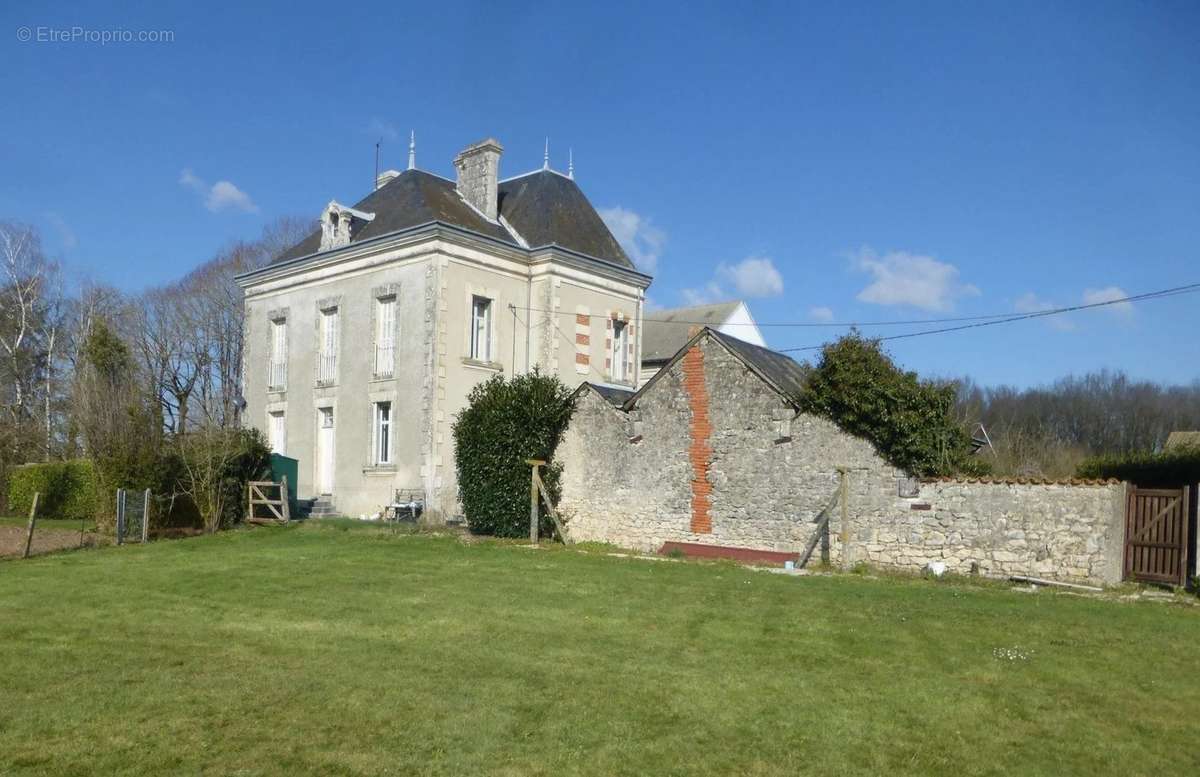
699, 449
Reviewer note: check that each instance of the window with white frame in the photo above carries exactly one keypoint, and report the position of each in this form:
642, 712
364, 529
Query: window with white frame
619, 358
481, 329
278, 432
327, 359
382, 445
385, 336
278, 363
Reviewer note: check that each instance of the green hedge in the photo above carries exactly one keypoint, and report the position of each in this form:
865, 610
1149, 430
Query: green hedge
69, 489
1167, 469
505, 423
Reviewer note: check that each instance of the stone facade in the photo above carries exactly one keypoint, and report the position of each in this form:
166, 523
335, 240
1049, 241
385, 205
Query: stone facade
710, 453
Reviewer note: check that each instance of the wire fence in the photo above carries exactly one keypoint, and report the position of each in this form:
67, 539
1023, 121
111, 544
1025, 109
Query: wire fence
43, 533
133, 516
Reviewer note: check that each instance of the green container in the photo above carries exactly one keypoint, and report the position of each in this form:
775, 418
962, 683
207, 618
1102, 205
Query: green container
281, 467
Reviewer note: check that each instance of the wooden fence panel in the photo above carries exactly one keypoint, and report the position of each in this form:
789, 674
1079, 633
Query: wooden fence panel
1156, 535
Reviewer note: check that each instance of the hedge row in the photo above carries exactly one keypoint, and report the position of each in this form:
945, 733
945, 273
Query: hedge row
1167, 469
69, 489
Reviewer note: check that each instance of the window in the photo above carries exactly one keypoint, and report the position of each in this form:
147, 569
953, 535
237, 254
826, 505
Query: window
481, 329
620, 350
383, 433
278, 364
327, 360
278, 433
385, 336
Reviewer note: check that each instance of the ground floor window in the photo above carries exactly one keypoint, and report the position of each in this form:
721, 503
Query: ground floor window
383, 433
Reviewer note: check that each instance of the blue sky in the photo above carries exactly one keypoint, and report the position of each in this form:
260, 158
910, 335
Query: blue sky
863, 162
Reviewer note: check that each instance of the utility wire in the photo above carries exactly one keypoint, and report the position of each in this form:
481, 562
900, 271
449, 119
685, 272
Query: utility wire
1150, 295
992, 317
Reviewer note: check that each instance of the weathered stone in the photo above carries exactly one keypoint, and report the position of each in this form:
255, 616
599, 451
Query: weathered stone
766, 495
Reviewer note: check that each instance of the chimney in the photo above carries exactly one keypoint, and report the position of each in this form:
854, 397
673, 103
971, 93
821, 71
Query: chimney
478, 169
384, 178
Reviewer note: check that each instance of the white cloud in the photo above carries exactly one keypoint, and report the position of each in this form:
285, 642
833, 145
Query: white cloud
709, 292
637, 234
821, 314
378, 128
1108, 294
188, 178
1031, 303
225, 195
754, 276
222, 195
902, 278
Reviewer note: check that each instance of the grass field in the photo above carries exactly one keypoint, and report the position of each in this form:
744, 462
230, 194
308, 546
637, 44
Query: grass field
337, 650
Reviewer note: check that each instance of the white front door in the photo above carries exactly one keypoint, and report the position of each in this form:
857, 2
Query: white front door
325, 450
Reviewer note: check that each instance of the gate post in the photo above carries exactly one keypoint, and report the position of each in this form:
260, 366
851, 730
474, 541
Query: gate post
120, 516
145, 516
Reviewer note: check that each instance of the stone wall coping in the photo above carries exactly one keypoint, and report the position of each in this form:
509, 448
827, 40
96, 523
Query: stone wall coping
1026, 481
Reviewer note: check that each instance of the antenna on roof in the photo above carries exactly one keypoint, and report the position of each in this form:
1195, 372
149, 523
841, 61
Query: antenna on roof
412, 150
375, 183
546, 156
571, 163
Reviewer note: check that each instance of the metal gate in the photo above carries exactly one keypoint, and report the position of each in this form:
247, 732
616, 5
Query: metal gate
1156, 535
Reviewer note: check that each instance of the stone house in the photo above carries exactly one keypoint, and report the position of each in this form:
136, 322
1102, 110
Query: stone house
712, 456
364, 340
664, 332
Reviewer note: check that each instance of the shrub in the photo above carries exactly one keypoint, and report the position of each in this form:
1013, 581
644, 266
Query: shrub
909, 420
69, 489
215, 467
1171, 468
505, 423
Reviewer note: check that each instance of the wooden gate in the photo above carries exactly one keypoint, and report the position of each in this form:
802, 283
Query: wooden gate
1156, 535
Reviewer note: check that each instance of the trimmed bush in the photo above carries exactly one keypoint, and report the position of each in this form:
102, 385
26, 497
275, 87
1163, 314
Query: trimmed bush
69, 489
1169, 469
859, 387
505, 423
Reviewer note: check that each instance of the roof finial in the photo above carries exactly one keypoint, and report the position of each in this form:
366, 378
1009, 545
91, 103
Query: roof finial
571, 163
412, 150
546, 156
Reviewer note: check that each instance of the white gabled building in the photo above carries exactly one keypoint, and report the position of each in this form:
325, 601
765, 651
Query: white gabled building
666, 331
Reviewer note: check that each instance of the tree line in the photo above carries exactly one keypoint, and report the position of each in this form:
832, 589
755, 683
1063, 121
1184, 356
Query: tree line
1047, 431
90, 371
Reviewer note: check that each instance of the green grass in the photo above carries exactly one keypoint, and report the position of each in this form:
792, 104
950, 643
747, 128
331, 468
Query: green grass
339, 650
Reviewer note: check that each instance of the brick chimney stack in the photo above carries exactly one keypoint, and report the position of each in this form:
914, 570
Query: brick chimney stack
478, 169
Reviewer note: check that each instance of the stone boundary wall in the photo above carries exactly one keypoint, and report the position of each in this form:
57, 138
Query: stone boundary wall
1060, 531
633, 478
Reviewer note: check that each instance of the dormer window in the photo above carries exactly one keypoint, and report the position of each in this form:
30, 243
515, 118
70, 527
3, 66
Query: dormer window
336, 224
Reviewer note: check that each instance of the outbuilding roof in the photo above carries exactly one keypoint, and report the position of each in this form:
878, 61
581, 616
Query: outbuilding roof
782, 373
666, 331
1177, 440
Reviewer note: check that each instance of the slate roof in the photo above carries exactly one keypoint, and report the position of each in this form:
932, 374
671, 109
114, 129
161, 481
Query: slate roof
617, 397
1177, 440
787, 375
544, 207
666, 331
782, 373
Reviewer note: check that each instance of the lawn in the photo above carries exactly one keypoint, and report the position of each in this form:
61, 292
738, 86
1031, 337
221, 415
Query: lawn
337, 650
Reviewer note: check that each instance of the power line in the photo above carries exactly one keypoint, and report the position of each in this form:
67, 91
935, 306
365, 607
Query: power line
991, 317
1150, 295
